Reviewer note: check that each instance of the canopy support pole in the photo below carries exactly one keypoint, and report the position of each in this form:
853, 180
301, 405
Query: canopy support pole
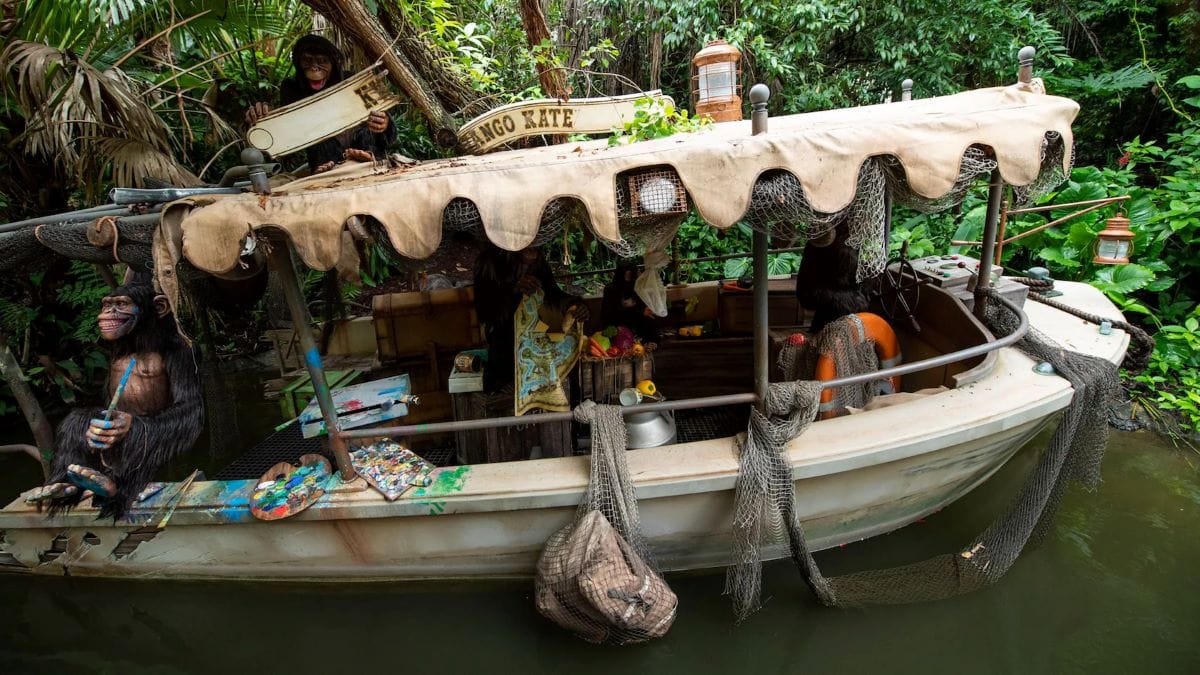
281, 262
759, 94
984, 280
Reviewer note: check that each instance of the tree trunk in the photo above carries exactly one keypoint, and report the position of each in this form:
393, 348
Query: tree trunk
533, 18
354, 21
43, 433
452, 90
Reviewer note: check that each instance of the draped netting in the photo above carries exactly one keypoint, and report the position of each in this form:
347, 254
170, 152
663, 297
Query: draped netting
596, 577
853, 353
765, 491
764, 502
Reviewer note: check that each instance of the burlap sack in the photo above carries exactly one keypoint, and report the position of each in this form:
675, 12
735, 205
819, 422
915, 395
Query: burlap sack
591, 582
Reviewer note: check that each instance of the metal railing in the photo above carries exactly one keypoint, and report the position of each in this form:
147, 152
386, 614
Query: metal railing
973, 351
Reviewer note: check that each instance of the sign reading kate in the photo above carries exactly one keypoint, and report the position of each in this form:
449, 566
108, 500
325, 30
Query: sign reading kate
548, 116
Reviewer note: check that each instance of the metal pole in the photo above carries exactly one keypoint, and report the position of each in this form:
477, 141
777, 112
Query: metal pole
1003, 227
984, 280
281, 261
1025, 64
544, 418
759, 95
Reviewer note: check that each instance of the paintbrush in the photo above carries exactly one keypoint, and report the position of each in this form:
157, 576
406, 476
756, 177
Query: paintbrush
116, 397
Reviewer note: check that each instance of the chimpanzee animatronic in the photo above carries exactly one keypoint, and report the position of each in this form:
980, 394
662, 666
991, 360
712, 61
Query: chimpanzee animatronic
319, 65
622, 306
827, 282
159, 415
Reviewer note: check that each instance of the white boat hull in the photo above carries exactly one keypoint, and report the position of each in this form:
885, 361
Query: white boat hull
856, 477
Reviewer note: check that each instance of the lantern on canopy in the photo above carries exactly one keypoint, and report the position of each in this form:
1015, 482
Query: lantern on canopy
717, 82
1114, 244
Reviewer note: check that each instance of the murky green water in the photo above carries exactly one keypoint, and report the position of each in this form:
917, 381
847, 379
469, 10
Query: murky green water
1115, 590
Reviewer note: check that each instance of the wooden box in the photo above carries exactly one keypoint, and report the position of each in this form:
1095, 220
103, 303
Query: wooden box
505, 444
425, 322
736, 315
602, 380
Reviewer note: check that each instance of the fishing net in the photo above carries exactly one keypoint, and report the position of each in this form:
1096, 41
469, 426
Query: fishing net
596, 577
1052, 173
20, 251
853, 353
123, 242
764, 503
1074, 453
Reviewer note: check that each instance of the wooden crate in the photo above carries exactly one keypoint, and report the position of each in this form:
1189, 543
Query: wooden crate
425, 322
505, 444
602, 380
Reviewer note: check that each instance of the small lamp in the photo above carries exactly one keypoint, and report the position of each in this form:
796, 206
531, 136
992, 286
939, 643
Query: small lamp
717, 82
1115, 242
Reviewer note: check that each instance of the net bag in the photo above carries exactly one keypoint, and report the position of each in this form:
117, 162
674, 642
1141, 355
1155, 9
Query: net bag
595, 577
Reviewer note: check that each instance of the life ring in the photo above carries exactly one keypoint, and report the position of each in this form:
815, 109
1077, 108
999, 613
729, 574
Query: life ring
870, 327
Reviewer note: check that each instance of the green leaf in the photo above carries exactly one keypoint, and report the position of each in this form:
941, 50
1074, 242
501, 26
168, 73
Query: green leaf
1056, 255
1191, 81
1160, 284
1122, 278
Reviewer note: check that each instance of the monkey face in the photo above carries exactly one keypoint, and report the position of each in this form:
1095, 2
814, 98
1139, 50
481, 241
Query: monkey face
118, 316
317, 68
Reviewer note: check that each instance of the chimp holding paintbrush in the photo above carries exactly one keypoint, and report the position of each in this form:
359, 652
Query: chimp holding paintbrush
155, 409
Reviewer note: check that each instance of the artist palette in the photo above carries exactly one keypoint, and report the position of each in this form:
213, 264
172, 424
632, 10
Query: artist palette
391, 468
285, 489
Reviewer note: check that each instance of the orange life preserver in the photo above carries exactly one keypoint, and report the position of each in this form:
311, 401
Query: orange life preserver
870, 327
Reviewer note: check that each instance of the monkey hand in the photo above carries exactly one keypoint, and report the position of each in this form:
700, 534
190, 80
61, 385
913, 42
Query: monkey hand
356, 155
101, 434
256, 112
580, 311
377, 123
51, 491
324, 167
528, 285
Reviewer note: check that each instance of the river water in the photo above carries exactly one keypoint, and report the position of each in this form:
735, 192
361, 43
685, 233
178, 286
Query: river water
1114, 590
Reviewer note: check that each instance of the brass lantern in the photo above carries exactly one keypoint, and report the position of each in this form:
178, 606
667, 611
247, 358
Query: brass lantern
717, 82
1115, 242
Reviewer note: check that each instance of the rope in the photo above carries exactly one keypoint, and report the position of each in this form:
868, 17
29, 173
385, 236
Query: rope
1141, 344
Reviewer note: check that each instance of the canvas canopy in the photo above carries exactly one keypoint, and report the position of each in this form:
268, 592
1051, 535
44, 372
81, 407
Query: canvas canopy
718, 167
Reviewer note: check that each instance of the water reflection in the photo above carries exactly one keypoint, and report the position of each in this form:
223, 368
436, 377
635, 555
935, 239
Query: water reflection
1113, 590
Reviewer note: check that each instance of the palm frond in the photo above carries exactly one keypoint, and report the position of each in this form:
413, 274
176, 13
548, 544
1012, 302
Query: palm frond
133, 160
1133, 76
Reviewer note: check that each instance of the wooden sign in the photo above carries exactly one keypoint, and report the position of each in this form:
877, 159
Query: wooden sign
311, 120
549, 116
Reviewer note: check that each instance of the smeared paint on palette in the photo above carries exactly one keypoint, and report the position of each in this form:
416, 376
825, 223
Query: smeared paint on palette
390, 468
286, 490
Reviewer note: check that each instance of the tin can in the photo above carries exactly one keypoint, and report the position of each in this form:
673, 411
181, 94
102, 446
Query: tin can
466, 363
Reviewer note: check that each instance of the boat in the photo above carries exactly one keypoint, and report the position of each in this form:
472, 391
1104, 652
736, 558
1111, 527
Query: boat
856, 476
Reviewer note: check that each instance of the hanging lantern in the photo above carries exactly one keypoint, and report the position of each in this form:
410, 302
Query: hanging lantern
717, 82
1115, 242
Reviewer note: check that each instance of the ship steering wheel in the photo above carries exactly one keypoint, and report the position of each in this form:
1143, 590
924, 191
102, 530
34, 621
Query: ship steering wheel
901, 282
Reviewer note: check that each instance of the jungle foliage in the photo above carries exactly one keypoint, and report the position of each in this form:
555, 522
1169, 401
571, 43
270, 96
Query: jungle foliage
104, 92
